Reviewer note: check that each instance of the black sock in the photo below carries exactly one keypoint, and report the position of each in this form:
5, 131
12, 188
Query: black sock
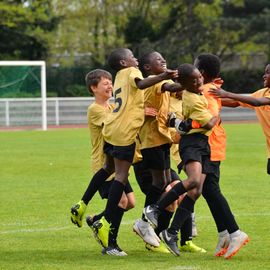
115, 224
114, 198
163, 221
186, 231
98, 216
171, 196
183, 212
221, 213
98, 179
152, 196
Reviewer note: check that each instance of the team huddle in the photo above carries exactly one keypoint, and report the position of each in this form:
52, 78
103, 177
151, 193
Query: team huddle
159, 115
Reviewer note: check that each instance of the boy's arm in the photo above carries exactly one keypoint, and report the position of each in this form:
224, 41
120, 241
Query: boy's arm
172, 87
227, 102
147, 82
211, 123
256, 102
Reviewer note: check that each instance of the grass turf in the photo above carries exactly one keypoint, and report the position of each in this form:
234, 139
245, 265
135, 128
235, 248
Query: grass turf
43, 173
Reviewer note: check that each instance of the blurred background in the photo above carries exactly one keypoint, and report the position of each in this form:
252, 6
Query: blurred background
75, 36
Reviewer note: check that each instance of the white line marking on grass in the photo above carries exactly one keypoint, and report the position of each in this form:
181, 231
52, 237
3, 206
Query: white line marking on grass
124, 223
184, 267
36, 230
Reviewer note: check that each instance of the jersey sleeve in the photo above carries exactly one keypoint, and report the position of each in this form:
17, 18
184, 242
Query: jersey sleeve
135, 74
200, 113
96, 116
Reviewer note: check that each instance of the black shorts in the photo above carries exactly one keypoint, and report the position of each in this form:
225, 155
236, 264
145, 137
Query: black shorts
157, 158
195, 147
144, 177
105, 189
120, 152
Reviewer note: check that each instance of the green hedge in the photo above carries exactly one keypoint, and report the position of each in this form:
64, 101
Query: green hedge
242, 80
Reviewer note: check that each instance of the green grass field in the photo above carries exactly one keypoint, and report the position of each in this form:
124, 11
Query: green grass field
43, 173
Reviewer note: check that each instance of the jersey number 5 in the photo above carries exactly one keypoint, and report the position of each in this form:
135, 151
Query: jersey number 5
117, 100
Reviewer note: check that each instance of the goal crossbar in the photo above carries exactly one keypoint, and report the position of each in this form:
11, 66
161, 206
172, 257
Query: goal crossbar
42, 64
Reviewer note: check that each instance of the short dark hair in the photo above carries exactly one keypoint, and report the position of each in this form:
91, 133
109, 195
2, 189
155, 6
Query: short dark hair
210, 64
115, 57
185, 71
93, 77
145, 59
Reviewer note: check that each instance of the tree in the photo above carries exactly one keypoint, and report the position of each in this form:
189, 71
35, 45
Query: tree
25, 29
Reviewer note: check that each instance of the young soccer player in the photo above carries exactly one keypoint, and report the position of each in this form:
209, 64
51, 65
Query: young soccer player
99, 82
231, 239
156, 139
194, 151
121, 128
257, 101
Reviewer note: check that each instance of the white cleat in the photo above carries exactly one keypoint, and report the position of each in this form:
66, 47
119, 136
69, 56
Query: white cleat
146, 232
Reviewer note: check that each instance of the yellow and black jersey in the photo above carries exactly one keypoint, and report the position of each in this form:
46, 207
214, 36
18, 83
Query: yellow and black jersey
176, 107
123, 124
154, 131
263, 114
194, 106
96, 115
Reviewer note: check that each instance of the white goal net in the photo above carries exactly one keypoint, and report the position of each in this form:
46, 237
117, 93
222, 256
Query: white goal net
23, 94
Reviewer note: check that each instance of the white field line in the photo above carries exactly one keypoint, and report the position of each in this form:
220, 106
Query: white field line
124, 223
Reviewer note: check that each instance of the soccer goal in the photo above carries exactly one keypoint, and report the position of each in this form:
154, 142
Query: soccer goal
23, 94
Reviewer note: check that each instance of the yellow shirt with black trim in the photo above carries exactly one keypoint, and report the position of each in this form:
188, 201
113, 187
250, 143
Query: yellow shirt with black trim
96, 115
122, 125
176, 107
154, 131
195, 107
263, 114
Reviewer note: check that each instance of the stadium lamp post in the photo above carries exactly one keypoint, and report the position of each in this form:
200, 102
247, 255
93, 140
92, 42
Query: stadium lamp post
42, 64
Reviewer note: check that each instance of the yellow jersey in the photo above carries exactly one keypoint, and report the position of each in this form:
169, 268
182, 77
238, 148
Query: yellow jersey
96, 115
122, 125
154, 131
176, 107
263, 114
194, 106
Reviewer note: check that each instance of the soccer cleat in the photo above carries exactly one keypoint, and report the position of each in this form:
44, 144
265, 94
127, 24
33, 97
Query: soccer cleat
191, 247
146, 232
235, 244
90, 222
151, 213
102, 228
194, 227
170, 240
114, 250
171, 119
161, 248
77, 212
222, 245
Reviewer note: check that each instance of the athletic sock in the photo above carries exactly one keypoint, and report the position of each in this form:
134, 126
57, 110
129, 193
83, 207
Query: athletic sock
98, 179
114, 197
98, 216
171, 196
183, 212
152, 196
186, 231
163, 221
115, 224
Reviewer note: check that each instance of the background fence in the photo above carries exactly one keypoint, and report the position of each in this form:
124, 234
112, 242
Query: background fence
72, 111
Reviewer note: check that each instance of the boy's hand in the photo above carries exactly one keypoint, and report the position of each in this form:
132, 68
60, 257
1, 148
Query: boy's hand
150, 111
169, 74
219, 93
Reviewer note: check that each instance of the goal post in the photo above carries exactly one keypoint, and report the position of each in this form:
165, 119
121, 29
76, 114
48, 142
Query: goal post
42, 65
